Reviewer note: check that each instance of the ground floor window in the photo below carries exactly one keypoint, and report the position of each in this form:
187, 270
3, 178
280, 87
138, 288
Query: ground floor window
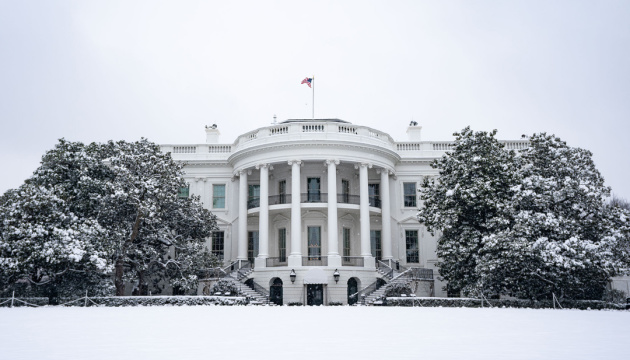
411, 242
375, 242
282, 245
252, 245
314, 243
346, 242
218, 244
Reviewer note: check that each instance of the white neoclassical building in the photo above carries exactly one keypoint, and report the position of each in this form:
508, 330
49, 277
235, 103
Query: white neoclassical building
318, 211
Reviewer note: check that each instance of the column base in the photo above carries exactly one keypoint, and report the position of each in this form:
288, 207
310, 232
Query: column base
294, 261
369, 262
260, 263
334, 261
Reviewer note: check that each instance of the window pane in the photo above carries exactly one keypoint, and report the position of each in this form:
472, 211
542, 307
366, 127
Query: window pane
373, 192
375, 242
218, 196
183, 192
282, 245
313, 189
411, 242
218, 243
410, 194
346, 242
252, 245
314, 243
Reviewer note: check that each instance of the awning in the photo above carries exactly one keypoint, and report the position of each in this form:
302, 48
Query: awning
316, 276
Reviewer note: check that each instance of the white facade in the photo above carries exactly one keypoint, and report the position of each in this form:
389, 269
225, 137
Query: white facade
315, 197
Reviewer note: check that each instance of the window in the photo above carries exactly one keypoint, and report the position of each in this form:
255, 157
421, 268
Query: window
218, 243
282, 192
314, 243
184, 192
313, 194
345, 191
282, 245
346, 242
373, 193
410, 194
254, 196
411, 242
218, 196
252, 245
375, 242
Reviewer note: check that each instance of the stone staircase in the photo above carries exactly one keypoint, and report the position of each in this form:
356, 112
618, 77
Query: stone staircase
374, 297
255, 297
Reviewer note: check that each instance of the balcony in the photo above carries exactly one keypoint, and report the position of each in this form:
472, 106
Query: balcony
310, 198
352, 261
276, 261
314, 260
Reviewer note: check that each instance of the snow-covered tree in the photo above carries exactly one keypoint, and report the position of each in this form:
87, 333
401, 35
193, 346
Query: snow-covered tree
112, 206
541, 226
468, 203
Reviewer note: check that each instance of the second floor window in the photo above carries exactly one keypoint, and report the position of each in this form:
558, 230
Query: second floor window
314, 243
282, 245
346, 242
409, 199
282, 192
254, 196
313, 194
252, 245
374, 194
218, 196
411, 243
375, 243
345, 191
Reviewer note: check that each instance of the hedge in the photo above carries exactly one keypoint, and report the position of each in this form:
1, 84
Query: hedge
508, 303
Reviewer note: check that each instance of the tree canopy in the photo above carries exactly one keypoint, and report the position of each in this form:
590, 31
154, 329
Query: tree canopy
102, 212
527, 224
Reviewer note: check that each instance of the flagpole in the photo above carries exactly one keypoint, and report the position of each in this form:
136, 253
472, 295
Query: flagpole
313, 97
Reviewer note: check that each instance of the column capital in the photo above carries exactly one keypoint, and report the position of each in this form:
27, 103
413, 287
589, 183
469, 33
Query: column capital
264, 165
386, 171
242, 171
291, 162
363, 164
331, 161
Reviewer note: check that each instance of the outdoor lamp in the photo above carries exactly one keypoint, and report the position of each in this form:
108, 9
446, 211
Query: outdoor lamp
292, 276
336, 276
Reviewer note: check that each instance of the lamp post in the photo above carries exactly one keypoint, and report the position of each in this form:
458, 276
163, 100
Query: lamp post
292, 275
336, 276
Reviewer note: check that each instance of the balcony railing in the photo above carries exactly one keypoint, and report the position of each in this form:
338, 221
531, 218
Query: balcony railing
352, 261
314, 260
276, 261
280, 199
348, 199
314, 197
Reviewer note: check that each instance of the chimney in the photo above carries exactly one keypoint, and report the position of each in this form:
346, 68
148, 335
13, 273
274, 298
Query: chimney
212, 134
413, 131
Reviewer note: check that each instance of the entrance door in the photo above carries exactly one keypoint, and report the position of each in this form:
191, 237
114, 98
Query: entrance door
314, 294
353, 288
275, 292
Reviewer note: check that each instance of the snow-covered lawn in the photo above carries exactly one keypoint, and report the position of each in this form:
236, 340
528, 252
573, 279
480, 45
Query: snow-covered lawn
209, 332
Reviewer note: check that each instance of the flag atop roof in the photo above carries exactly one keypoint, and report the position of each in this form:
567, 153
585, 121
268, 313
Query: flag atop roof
307, 81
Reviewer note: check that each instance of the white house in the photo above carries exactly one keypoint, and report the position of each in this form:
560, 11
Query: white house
322, 210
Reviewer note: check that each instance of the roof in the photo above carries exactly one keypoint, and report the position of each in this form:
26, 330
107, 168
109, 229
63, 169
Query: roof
314, 120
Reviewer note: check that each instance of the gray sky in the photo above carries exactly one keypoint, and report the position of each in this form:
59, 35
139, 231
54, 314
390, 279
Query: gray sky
94, 71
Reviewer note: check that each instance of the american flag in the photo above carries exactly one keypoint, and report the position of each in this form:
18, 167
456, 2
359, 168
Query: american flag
307, 81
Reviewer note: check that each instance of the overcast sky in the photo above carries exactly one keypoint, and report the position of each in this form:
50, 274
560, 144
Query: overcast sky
93, 71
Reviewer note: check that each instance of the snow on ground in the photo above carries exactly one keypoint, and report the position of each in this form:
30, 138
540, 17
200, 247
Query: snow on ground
214, 332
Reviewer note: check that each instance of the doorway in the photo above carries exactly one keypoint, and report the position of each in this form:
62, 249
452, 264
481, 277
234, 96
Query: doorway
275, 291
314, 294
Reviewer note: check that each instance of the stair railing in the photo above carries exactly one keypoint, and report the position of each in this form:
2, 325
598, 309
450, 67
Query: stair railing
385, 269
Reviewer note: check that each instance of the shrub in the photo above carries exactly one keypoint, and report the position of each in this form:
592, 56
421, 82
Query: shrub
224, 286
397, 289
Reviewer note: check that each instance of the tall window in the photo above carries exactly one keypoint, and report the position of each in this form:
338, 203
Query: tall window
183, 192
314, 243
375, 242
374, 196
313, 193
345, 191
346, 242
411, 242
218, 196
282, 192
218, 243
282, 245
254, 196
410, 194
252, 245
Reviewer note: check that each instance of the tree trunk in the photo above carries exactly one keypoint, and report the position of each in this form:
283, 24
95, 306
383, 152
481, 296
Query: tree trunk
118, 279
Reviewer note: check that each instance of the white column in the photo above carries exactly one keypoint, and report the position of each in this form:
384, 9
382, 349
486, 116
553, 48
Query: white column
242, 214
263, 221
386, 233
295, 257
364, 210
334, 259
